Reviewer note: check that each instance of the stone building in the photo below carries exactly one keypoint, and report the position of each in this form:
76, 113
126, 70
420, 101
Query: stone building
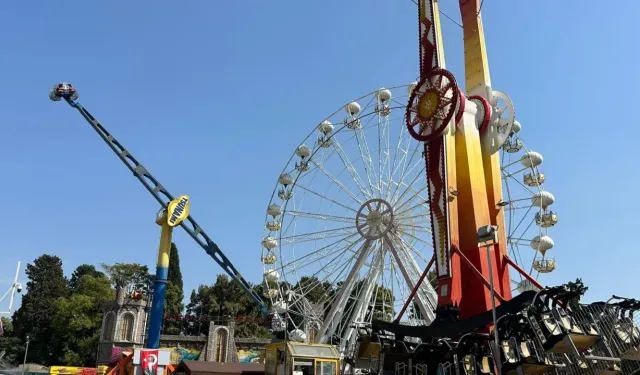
123, 325
123, 328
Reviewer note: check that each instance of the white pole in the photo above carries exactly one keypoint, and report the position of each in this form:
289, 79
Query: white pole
14, 286
26, 350
493, 309
12, 291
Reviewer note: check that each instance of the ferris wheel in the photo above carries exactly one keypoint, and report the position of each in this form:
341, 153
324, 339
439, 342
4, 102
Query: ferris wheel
527, 208
347, 233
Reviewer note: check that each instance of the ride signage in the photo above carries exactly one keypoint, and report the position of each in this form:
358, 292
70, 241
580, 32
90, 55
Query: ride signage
178, 210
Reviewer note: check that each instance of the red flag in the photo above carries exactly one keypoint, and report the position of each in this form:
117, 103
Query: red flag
149, 361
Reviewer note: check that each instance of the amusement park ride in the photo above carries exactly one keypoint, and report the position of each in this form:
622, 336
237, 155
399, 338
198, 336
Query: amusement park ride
364, 239
334, 277
174, 212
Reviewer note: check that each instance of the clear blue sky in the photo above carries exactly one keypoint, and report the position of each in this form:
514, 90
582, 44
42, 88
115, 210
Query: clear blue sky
213, 96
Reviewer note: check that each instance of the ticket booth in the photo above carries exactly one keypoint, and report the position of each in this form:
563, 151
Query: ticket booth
293, 358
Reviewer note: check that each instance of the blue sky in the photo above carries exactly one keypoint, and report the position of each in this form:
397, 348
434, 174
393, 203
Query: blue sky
214, 96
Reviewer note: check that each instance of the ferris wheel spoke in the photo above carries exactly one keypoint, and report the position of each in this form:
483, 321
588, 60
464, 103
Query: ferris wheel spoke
517, 171
419, 178
399, 185
319, 235
340, 270
367, 162
415, 168
404, 163
520, 222
517, 241
338, 183
418, 228
323, 251
415, 197
419, 216
285, 205
325, 264
338, 264
421, 203
341, 219
512, 177
514, 207
352, 171
322, 196
412, 249
383, 152
515, 252
406, 190
395, 165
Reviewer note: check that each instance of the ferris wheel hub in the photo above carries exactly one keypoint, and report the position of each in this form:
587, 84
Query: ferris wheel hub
374, 218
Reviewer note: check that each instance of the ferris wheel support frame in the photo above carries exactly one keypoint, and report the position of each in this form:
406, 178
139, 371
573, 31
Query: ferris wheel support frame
329, 324
426, 306
363, 303
415, 289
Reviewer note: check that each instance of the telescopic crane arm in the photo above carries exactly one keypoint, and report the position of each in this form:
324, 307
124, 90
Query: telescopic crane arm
68, 93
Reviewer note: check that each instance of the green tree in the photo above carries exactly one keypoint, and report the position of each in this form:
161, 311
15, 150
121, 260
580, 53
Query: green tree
7, 326
10, 346
78, 319
433, 279
196, 307
230, 297
175, 274
222, 300
81, 270
11, 350
34, 317
315, 291
413, 309
383, 309
129, 276
384, 301
578, 287
175, 293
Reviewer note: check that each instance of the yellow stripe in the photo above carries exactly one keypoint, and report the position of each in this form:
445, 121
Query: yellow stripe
475, 51
438, 28
477, 78
165, 245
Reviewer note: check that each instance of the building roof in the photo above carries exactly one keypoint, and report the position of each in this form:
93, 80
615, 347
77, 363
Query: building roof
208, 368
